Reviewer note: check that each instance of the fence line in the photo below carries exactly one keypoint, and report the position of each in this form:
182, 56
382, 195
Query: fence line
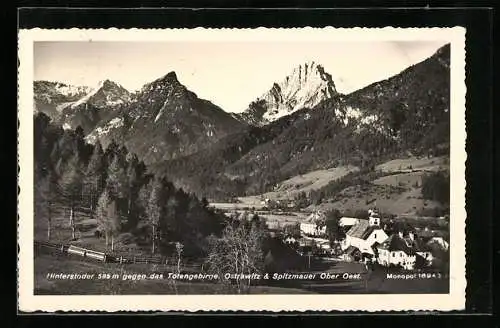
110, 257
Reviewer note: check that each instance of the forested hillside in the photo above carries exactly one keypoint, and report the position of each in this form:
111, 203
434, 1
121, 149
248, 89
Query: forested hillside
113, 187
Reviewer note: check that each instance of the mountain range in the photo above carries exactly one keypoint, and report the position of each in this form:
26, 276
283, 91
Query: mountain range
301, 124
73, 106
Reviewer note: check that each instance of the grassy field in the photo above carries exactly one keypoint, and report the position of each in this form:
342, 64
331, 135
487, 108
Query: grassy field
249, 203
309, 181
399, 192
424, 163
385, 197
395, 193
404, 180
85, 233
289, 188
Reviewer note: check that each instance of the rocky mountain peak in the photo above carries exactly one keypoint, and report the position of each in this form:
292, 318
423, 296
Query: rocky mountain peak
165, 86
307, 85
107, 93
108, 84
170, 79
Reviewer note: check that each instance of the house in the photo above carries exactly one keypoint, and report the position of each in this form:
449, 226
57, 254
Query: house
352, 253
347, 221
313, 225
274, 225
290, 240
313, 229
364, 235
402, 251
396, 252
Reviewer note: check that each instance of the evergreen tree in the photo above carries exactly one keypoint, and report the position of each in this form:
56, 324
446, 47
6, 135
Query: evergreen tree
117, 183
204, 202
332, 224
132, 189
71, 186
107, 217
143, 199
154, 211
55, 153
95, 175
123, 153
110, 153
67, 146
436, 186
80, 142
114, 222
44, 190
170, 223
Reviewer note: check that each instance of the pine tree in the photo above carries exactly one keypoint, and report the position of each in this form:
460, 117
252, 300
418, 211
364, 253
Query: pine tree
114, 222
95, 175
171, 220
143, 198
123, 153
44, 189
67, 146
71, 186
132, 189
204, 202
108, 219
80, 141
117, 182
110, 153
154, 210
101, 215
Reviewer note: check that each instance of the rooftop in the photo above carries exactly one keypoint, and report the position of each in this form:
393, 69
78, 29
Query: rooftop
405, 244
362, 229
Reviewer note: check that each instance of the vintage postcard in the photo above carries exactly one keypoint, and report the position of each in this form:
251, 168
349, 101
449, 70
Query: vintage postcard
308, 169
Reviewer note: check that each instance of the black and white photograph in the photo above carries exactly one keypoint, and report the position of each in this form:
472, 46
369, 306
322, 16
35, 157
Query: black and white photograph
256, 166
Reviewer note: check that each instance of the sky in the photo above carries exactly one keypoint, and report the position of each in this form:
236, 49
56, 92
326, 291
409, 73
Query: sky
229, 74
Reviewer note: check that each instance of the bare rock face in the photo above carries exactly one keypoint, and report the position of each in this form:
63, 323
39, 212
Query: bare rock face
306, 86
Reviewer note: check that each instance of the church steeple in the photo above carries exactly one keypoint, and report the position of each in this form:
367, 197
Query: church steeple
374, 218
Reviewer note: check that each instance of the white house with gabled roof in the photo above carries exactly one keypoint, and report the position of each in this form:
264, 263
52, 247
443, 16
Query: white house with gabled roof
365, 234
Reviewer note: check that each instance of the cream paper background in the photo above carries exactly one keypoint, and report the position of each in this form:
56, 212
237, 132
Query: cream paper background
455, 300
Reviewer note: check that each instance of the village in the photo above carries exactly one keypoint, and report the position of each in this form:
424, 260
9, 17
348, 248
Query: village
374, 240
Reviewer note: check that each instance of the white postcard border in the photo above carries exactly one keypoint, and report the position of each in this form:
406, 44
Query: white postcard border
455, 300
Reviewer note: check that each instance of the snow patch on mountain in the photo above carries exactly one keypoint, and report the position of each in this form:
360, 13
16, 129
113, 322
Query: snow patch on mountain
99, 132
85, 99
158, 115
161, 111
63, 106
106, 93
70, 90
